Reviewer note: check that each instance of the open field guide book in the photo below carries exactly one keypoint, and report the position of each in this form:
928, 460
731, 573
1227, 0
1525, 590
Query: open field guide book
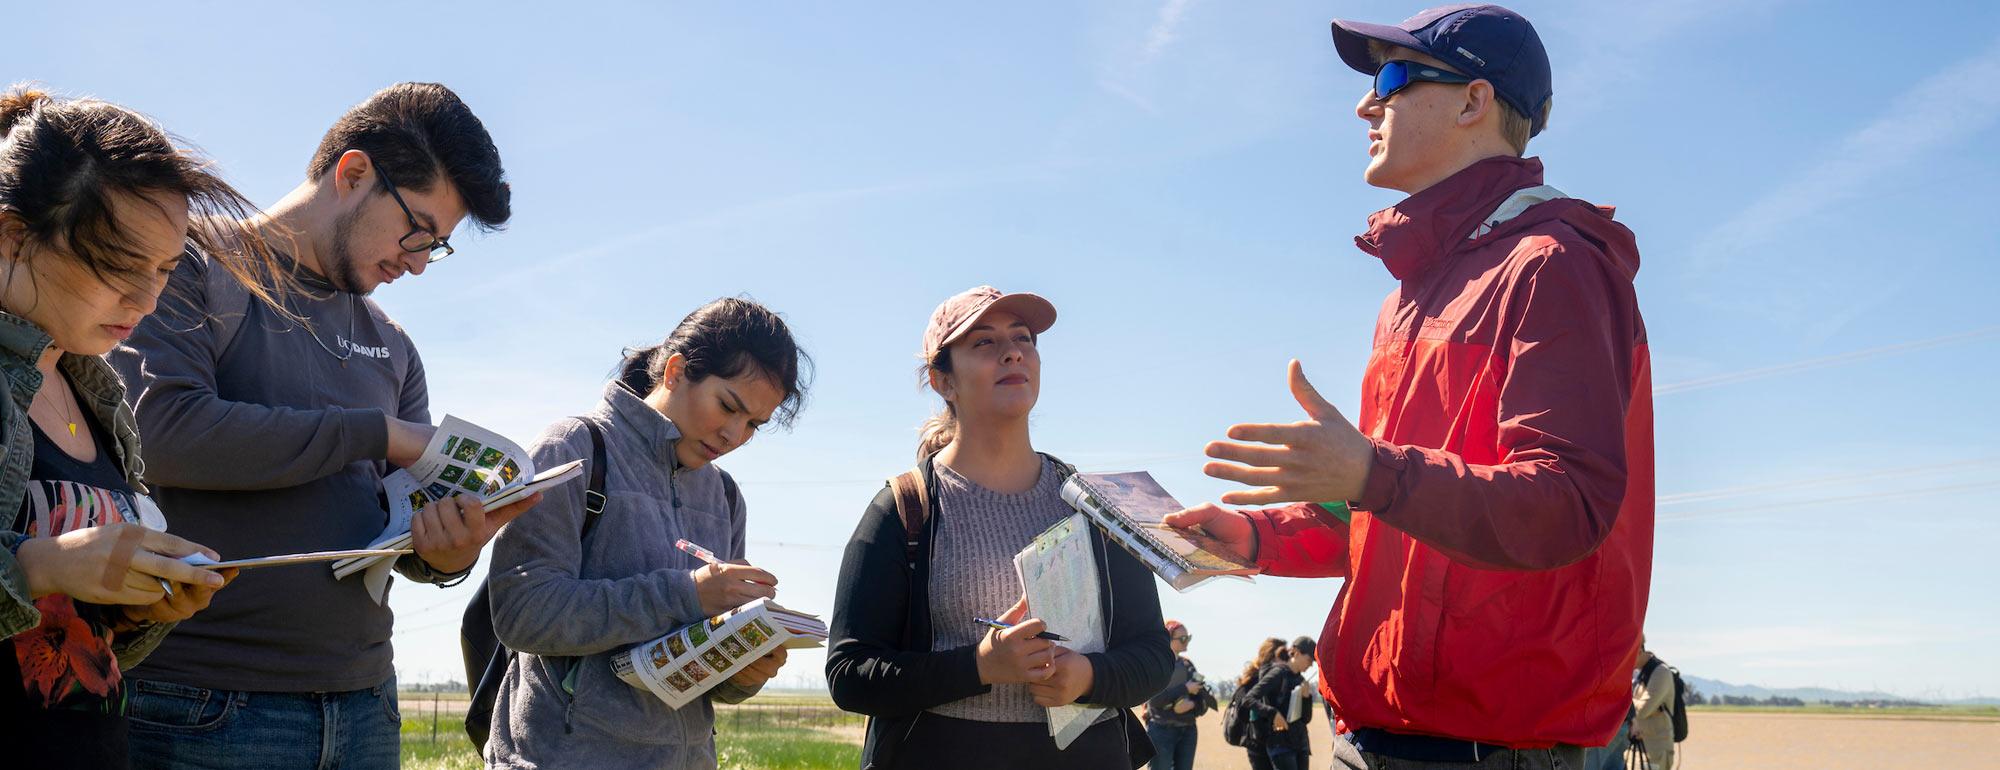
1129, 508
461, 459
679, 667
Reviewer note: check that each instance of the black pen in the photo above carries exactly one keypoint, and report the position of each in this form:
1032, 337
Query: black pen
999, 626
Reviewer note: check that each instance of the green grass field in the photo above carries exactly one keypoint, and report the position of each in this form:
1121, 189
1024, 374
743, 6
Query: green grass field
740, 745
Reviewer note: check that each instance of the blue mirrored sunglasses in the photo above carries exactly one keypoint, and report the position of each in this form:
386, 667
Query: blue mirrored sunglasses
1397, 74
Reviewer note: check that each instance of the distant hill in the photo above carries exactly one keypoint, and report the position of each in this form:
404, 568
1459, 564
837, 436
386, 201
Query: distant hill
1815, 694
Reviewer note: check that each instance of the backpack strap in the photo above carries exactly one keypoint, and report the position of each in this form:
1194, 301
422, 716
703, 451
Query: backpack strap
1646, 671
593, 496
913, 506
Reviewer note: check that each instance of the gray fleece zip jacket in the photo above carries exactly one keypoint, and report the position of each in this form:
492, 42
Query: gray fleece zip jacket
563, 604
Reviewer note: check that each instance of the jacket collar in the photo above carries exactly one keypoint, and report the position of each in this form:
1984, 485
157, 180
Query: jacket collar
652, 430
97, 387
22, 344
1414, 235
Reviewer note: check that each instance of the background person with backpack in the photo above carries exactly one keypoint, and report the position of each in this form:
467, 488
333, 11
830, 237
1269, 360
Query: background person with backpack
569, 588
1659, 713
936, 549
1246, 721
1171, 716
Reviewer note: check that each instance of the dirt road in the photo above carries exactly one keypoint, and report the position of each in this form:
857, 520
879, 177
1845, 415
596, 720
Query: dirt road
1759, 741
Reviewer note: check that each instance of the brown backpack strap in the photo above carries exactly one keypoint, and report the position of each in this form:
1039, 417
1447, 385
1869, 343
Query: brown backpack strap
913, 507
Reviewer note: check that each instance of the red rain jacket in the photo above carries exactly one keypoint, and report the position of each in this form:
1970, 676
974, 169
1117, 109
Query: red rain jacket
1498, 561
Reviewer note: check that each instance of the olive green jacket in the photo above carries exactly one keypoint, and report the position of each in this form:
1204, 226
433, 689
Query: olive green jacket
98, 388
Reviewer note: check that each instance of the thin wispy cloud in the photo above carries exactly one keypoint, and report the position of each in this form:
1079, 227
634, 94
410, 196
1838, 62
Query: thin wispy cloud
1166, 27
1120, 77
1940, 112
1791, 367
1619, 45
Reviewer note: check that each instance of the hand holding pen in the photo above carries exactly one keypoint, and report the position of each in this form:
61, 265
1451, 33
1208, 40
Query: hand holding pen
722, 586
1019, 654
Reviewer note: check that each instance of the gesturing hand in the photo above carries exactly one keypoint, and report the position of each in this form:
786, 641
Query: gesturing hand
723, 587
1318, 460
448, 533
1015, 656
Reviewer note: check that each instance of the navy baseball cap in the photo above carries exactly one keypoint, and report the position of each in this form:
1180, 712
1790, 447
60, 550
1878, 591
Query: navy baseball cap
1483, 41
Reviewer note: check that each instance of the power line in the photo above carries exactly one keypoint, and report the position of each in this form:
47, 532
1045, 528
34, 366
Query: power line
1731, 378
1896, 493
1754, 489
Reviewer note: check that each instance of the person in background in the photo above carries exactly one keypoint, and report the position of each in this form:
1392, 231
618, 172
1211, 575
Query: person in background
1652, 708
1171, 716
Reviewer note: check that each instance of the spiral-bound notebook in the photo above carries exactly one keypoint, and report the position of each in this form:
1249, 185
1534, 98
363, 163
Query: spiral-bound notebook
1129, 508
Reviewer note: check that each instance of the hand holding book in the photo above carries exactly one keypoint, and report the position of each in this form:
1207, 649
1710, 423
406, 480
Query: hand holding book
449, 532
1230, 528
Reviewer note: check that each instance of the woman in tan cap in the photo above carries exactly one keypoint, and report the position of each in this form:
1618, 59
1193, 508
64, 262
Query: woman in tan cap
935, 551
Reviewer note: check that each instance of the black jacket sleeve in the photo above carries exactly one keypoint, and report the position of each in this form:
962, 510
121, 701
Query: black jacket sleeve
1267, 694
1138, 658
1175, 689
867, 669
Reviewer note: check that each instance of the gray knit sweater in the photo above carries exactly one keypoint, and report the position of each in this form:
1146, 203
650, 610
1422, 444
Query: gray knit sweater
972, 574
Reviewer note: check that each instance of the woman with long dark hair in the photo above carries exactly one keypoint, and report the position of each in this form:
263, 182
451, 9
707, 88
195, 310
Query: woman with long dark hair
566, 601
97, 206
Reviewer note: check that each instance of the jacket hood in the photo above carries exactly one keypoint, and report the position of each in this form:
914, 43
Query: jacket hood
1422, 230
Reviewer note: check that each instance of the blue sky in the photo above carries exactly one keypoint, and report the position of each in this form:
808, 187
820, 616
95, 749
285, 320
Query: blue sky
1812, 199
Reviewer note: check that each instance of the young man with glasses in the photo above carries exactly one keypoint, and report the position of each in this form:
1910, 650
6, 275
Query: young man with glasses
268, 434
1493, 512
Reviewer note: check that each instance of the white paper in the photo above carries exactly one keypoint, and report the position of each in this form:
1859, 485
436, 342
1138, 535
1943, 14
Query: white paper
1059, 575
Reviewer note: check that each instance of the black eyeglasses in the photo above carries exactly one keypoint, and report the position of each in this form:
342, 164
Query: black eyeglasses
419, 239
1397, 74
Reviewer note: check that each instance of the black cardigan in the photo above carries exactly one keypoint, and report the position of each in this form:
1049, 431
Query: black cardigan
880, 661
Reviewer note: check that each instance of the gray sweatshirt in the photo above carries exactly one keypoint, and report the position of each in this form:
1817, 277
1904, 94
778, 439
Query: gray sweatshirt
272, 445
564, 604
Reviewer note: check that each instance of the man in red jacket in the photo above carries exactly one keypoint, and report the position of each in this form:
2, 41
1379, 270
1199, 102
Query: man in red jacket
1493, 512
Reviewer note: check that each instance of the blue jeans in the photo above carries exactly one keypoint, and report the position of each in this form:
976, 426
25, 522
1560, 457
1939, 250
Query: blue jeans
1285, 758
176, 727
1173, 745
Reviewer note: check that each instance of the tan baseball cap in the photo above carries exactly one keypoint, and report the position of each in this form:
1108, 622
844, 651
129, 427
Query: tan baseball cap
957, 315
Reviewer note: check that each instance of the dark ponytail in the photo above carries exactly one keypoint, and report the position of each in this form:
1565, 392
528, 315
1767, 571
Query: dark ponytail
725, 338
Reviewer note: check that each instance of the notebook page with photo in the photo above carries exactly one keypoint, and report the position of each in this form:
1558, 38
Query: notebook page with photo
461, 458
681, 666
1131, 509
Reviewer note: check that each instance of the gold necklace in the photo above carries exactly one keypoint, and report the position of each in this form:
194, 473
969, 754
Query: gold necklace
70, 418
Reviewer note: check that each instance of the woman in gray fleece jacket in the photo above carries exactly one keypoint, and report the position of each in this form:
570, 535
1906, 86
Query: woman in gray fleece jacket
565, 603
